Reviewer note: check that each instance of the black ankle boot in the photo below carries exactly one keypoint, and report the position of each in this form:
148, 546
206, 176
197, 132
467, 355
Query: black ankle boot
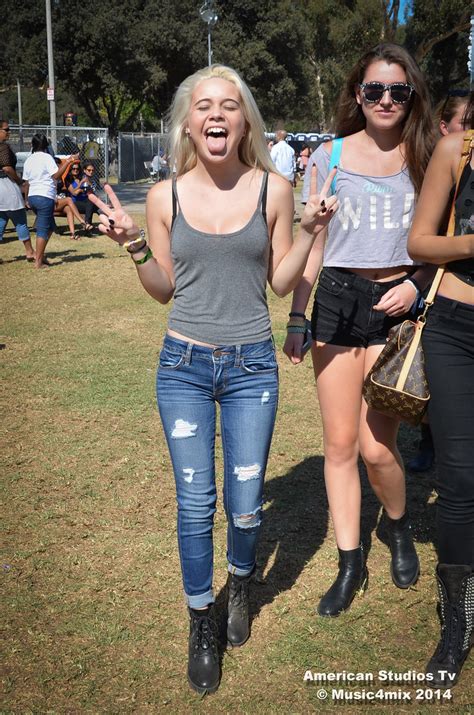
456, 601
405, 567
352, 577
238, 628
203, 663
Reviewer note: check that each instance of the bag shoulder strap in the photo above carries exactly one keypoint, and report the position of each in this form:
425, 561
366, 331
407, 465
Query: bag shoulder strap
334, 159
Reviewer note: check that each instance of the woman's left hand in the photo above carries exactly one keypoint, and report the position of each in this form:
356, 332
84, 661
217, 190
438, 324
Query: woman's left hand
397, 300
320, 208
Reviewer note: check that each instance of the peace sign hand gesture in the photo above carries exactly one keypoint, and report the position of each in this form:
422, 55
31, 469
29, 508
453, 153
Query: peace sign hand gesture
319, 209
114, 221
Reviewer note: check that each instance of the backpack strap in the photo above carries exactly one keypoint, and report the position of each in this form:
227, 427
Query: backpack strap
334, 159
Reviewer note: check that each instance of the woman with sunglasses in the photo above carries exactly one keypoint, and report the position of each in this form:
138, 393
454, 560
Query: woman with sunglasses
78, 184
368, 284
217, 233
40, 174
448, 342
12, 203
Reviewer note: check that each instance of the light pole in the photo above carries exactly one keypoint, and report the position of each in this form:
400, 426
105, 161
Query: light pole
51, 97
209, 15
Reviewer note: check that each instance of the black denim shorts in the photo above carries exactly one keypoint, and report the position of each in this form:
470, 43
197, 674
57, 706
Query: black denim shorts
343, 311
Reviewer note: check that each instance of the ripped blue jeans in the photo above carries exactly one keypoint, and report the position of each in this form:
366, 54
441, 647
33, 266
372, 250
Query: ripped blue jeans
191, 379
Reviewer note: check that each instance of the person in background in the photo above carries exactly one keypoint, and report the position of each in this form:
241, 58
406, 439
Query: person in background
65, 205
367, 285
448, 344
12, 204
78, 184
283, 156
217, 233
41, 174
449, 113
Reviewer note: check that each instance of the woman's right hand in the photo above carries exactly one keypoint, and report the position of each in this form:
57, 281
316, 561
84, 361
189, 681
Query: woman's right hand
114, 221
292, 347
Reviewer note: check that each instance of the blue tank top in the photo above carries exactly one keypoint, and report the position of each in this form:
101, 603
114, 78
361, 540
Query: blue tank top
220, 292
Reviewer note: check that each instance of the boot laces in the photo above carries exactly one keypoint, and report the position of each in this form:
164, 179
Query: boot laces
239, 593
451, 633
205, 633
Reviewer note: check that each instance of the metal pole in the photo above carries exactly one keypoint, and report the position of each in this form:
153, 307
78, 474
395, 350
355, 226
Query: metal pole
52, 102
20, 114
209, 51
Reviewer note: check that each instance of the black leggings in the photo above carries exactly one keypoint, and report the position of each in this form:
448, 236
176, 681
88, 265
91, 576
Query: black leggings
86, 207
448, 342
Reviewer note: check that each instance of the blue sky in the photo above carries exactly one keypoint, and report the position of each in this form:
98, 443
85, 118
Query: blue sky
401, 12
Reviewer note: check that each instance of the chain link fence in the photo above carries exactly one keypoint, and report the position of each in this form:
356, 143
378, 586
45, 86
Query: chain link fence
136, 153
91, 143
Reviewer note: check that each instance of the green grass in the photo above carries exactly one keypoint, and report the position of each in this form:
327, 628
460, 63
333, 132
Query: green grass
93, 619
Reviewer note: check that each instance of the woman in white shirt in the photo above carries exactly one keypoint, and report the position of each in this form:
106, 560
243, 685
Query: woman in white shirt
41, 173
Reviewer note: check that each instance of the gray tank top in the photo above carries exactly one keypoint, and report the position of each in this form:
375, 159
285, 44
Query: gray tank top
220, 294
370, 228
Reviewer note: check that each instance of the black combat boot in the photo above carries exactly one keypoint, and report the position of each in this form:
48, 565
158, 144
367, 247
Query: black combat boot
203, 663
238, 627
405, 567
456, 606
352, 577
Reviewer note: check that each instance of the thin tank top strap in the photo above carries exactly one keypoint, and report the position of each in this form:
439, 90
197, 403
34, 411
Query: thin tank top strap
175, 200
262, 199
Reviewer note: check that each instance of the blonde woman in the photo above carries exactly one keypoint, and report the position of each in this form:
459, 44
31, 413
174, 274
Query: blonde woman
216, 234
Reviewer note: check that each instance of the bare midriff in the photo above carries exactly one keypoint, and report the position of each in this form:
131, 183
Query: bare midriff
455, 289
178, 336
382, 274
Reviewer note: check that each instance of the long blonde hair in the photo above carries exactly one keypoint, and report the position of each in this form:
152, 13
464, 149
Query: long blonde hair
253, 150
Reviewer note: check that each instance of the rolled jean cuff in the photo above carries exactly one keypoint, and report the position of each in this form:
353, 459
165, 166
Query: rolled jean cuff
200, 601
239, 572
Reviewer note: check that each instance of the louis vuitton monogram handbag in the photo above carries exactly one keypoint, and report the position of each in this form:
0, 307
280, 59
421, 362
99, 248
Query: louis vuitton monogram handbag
396, 385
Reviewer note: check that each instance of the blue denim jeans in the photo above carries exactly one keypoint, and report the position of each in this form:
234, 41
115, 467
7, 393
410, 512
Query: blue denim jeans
191, 379
44, 210
19, 219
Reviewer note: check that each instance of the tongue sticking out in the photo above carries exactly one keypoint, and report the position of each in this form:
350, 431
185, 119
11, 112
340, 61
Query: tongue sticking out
216, 144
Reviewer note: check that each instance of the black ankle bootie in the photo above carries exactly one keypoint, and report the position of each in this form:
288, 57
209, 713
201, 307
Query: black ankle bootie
456, 606
405, 567
203, 664
352, 577
238, 627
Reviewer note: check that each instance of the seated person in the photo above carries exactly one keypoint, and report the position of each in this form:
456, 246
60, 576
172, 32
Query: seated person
65, 205
79, 186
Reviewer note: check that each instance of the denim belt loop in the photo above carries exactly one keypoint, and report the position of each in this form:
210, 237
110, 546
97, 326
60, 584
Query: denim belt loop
238, 349
187, 357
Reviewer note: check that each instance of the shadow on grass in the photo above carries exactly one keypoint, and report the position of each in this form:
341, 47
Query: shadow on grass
296, 521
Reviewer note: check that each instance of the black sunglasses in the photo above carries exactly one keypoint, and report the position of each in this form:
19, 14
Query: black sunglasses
5, 129
452, 93
400, 92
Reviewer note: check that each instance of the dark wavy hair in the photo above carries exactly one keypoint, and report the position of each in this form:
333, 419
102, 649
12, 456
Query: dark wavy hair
468, 118
39, 142
418, 133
